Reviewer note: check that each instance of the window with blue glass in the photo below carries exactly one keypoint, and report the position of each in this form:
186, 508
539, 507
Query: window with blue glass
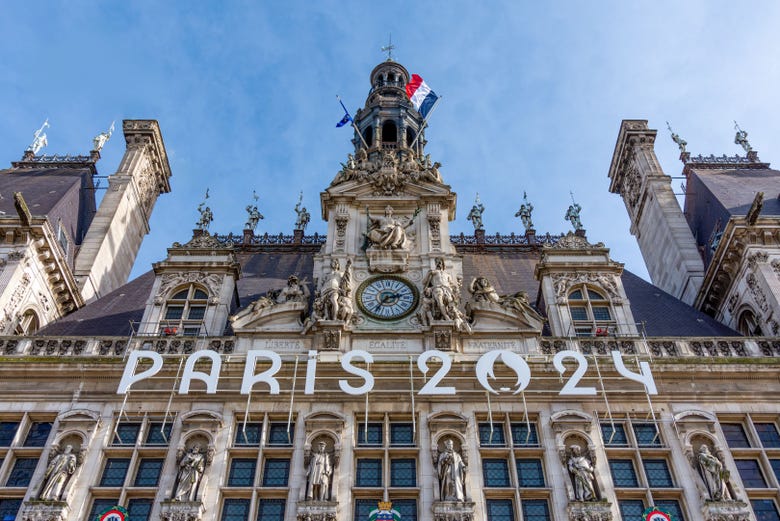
658, 475
750, 472
99, 506
7, 433
126, 433
278, 434
623, 473
765, 509
271, 509
235, 510
159, 433
524, 434
139, 509
672, 506
647, 435
38, 434
631, 509
363, 508
248, 436
148, 474
735, 435
500, 510
9, 508
242, 472
369, 472
614, 435
767, 433
22, 472
491, 435
276, 472
369, 434
495, 472
530, 472
403, 472
401, 435
407, 508
114, 472
536, 510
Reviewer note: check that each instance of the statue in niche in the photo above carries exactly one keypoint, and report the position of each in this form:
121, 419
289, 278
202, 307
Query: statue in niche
253, 217
62, 466
714, 476
583, 475
573, 216
388, 232
475, 215
525, 213
192, 465
318, 474
451, 470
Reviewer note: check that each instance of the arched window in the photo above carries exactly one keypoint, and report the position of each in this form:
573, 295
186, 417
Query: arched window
184, 312
748, 324
29, 323
410, 135
591, 313
368, 135
389, 132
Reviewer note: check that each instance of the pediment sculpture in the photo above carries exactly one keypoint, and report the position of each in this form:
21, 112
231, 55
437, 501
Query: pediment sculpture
487, 309
277, 309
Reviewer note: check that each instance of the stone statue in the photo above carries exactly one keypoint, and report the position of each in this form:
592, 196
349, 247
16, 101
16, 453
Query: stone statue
335, 287
318, 475
525, 213
39, 138
61, 467
483, 291
441, 296
317, 313
573, 216
253, 217
475, 215
192, 464
303, 215
205, 217
295, 291
681, 143
713, 474
583, 475
451, 470
100, 140
388, 232
741, 138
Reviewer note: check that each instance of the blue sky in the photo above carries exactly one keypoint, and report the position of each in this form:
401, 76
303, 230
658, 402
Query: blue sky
534, 93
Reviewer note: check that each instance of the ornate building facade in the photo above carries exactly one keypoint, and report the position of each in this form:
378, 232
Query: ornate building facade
389, 365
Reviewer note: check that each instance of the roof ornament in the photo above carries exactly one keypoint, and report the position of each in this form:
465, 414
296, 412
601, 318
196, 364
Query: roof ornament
303, 215
681, 143
573, 214
740, 138
475, 215
389, 48
100, 140
525, 213
205, 214
253, 214
39, 138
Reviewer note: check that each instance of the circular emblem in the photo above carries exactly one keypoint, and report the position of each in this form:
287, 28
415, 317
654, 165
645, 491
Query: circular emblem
116, 513
387, 298
654, 514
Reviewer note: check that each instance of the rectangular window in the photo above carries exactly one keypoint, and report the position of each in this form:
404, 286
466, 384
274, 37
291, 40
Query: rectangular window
536, 510
276, 472
7, 433
369, 473
278, 435
22, 472
401, 435
578, 313
158, 435
647, 435
126, 433
750, 472
250, 436
114, 472
149, 470
270, 509
601, 313
363, 507
623, 473
500, 510
767, 433
370, 435
403, 472
524, 434
99, 506
235, 510
242, 472
139, 509
530, 472
631, 508
765, 509
658, 475
174, 312
9, 508
196, 313
495, 472
614, 437
407, 508
38, 434
672, 506
735, 435
491, 437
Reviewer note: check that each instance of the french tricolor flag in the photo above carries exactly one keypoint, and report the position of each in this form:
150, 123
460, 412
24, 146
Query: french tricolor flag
421, 95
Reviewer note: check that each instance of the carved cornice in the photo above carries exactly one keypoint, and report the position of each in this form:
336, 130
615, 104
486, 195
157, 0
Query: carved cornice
145, 133
633, 133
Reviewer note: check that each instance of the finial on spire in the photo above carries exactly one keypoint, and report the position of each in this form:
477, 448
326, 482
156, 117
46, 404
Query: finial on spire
741, 138
39, 139
389, 48
573, 214
681, 143
100, 140
205, 214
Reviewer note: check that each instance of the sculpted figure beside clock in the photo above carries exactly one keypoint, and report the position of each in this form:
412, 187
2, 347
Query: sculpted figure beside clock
388, 232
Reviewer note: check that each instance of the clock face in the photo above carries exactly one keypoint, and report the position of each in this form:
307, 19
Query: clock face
387, 298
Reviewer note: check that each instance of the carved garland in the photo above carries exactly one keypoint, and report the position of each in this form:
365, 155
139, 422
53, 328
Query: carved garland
563, 282
212, 281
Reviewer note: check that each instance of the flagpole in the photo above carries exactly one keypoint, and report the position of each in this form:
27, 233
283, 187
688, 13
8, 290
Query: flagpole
425, 121
357, 130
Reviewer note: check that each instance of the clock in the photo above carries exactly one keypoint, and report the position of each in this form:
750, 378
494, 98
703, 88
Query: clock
387, 297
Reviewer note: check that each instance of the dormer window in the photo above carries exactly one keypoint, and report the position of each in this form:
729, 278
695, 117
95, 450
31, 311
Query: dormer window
748, 325
591, 312
28, 324
184, 312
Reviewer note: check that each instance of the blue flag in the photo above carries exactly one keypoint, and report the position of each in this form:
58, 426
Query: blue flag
346, 119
